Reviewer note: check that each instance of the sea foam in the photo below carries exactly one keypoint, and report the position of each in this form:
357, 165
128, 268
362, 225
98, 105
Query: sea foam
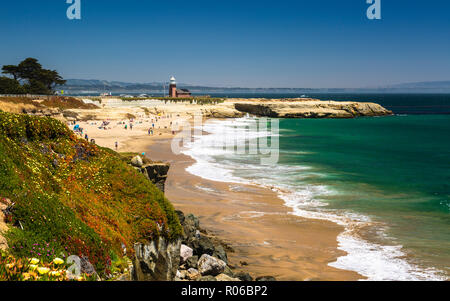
371, 260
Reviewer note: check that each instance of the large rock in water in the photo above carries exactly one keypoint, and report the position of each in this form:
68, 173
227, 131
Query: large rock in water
157, 260
311, 108
208, 265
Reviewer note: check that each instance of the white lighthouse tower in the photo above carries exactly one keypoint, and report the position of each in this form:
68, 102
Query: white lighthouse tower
173, 87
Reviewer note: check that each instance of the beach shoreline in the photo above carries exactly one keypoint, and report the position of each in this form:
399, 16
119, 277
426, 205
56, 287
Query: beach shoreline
266, 237
255, 222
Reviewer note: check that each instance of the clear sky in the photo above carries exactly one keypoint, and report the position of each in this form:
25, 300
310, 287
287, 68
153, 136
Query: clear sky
247, 43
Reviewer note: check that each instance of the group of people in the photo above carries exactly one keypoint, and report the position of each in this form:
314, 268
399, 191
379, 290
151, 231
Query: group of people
129, 124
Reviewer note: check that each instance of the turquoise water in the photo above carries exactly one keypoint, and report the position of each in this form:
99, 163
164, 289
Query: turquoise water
393, 169
385, 179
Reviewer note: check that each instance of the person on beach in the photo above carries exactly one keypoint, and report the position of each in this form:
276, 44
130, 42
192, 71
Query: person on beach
126, 126
86, 137
131, 126
117, 145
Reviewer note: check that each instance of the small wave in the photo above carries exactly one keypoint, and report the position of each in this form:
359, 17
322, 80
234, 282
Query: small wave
380, 263
374, 261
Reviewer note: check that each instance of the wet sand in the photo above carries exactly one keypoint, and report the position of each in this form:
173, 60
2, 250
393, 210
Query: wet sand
252, 220
255, 222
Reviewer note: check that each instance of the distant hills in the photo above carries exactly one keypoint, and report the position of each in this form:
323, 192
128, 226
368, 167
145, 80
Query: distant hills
94, 87
424, 85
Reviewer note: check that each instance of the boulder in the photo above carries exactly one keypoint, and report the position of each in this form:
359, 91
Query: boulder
191, 262
244, 276
191, 225
156, 173
202, 245
156, 261
228, 271
207, 278
193, 274
224, 277
219, 252
208, 265
181, 274
266, 278
137, 161
86, 267
185, 253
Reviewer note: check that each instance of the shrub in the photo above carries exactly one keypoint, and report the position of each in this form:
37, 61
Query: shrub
73, 197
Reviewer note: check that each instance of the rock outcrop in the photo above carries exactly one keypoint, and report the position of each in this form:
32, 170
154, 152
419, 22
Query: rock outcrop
157, 173
157, 260
204, 256
4, 205
225, 110
208, 265
185, 253
311, 109
137, 161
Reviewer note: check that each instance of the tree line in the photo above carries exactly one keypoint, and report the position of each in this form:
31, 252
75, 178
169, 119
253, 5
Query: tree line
29, 77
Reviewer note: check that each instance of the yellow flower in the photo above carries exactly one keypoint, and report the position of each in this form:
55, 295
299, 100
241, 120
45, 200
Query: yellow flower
33, 267
26, 276
34, 261
58, 261
80, 278
43, 270
55, 273
9, 266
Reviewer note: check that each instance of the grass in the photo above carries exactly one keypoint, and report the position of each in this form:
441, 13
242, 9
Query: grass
127, 156
74, 198
198, 100
60, 102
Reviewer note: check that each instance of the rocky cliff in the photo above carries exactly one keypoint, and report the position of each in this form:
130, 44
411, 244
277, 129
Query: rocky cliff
157, 260
311, 109
74, 197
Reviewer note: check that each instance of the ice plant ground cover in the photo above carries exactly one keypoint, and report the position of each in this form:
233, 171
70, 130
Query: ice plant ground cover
33, 269
74, 198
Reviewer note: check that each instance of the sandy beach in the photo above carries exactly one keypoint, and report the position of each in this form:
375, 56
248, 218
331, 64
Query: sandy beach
266, 238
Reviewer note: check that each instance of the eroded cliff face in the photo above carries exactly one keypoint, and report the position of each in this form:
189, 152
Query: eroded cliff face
312, 109
157, 173
157, 260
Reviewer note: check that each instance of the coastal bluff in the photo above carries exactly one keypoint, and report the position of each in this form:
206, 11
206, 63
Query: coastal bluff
297, 108
75, 109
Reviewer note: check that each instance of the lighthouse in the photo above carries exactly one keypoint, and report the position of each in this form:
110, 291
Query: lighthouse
173, 87
177, 93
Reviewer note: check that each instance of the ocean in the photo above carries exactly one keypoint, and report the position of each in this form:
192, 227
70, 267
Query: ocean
385, 179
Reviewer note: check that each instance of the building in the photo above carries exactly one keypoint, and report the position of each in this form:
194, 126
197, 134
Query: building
177, 93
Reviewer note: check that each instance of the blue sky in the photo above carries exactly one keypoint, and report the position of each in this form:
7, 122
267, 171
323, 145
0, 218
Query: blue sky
326, 43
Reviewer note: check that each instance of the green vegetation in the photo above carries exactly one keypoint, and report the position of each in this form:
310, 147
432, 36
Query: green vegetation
197, 100
126, 157
36, 79
60, 102
74, 198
